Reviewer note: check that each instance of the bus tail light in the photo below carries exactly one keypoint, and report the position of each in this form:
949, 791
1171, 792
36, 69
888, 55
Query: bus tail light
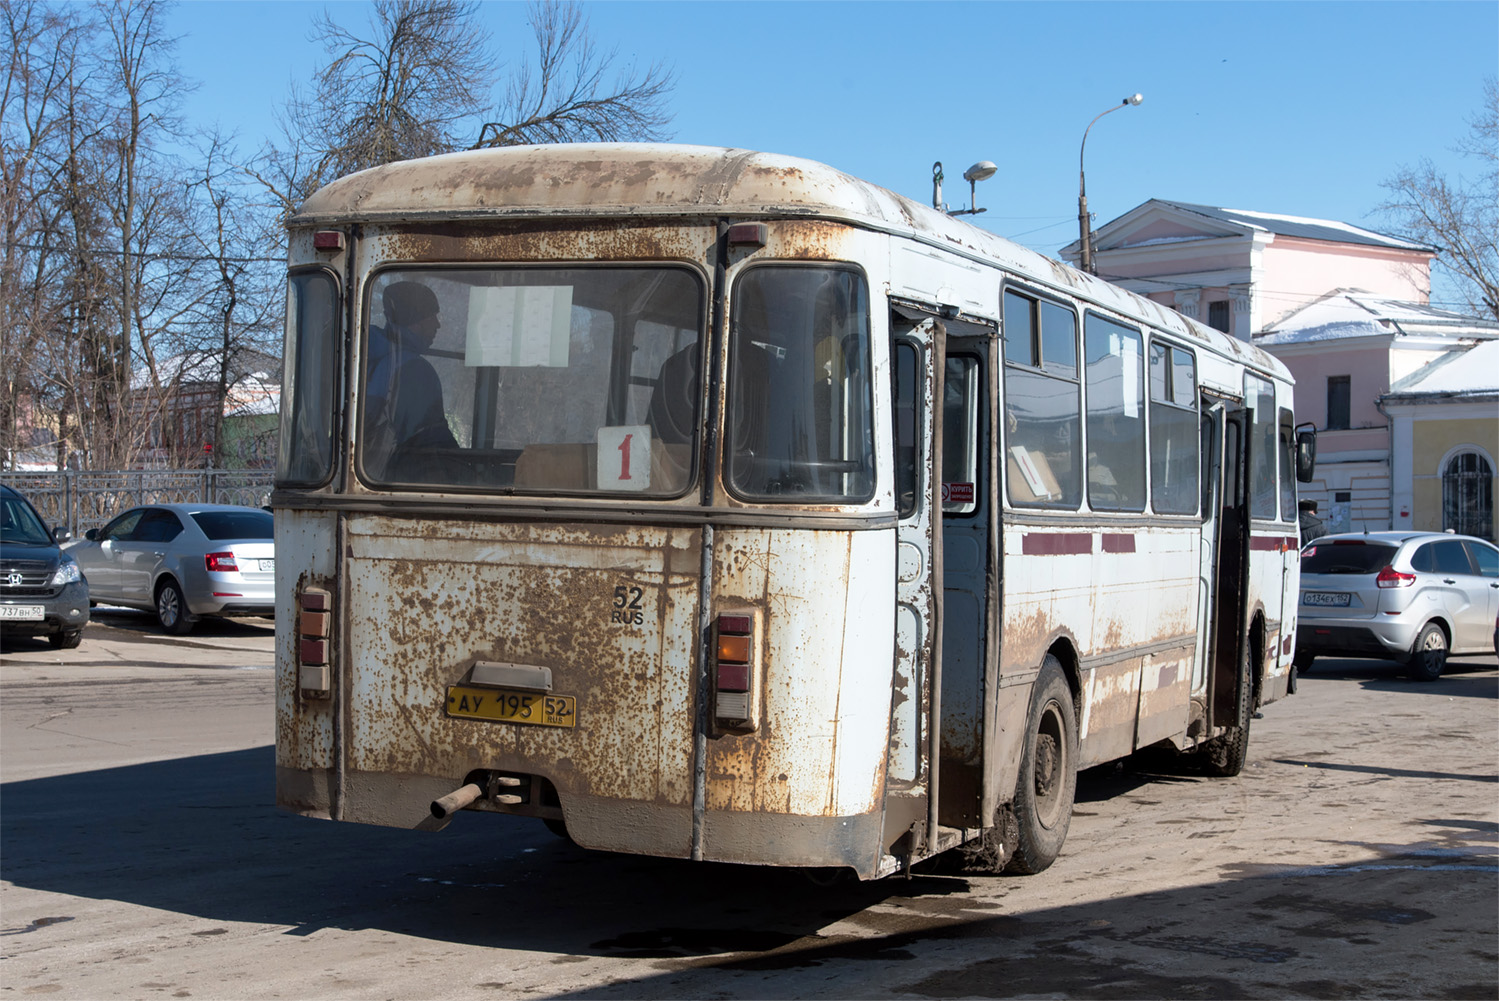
314, 636
736, 698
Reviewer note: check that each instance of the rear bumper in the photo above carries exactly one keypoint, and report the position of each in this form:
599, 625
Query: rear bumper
1385, 640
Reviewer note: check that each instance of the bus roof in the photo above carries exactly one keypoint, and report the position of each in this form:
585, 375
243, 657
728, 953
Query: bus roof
642, 180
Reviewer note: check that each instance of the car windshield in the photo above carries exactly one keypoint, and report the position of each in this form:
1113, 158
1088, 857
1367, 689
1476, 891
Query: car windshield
1350, 556
235, 524
20, 525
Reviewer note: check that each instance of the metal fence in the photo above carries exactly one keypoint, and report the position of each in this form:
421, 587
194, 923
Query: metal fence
81, 500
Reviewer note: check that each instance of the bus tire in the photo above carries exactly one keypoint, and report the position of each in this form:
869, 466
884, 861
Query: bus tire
1048, 773
1225, 754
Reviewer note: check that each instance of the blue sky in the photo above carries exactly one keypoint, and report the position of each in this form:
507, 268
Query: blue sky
1297, 108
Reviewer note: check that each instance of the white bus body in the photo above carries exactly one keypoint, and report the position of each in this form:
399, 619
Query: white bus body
811, 619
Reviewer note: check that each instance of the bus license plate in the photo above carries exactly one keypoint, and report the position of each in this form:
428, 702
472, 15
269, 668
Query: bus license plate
501, 706
23, 613
1334, 598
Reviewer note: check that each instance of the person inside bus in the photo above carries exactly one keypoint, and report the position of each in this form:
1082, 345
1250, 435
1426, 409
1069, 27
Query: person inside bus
405, 414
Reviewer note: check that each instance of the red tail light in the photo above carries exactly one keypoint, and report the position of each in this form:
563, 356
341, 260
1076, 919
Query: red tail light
1390, 577
733, 672
220, 562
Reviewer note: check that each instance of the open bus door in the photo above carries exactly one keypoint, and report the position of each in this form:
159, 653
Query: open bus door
918, 361
1228, 675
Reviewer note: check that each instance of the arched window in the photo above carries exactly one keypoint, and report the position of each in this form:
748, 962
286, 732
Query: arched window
1468, 495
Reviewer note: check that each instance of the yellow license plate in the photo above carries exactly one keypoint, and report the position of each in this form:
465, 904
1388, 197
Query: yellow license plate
503, 706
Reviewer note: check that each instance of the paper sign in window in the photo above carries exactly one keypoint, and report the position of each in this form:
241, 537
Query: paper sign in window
519, 327
624, 458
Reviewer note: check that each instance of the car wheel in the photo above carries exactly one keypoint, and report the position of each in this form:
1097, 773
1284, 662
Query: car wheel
1048, 773
68, 639
1428, 654
171, 609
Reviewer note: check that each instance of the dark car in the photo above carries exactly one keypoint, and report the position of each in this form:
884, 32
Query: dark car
42, 591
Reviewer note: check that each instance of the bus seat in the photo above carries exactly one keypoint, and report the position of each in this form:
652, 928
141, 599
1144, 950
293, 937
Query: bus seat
556, 467
672, 414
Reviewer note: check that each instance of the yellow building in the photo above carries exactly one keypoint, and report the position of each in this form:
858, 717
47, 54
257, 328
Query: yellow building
1444, 423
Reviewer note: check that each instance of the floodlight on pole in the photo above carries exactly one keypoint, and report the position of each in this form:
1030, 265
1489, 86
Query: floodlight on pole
1085, 229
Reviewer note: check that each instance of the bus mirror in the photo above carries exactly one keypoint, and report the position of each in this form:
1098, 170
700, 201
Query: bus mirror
1306, 454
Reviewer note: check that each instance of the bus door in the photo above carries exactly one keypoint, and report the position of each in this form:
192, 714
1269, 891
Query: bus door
1231, 581
917, 352
1212, 493
965, 573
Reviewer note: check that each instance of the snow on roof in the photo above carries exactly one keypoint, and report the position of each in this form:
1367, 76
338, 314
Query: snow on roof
1301, 226
1356, 313
1465, 371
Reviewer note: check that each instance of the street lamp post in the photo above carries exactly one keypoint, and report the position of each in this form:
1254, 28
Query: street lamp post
1085, 231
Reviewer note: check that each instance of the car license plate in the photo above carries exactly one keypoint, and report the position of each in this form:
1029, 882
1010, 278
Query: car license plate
503, 706
1335, 598
23, 613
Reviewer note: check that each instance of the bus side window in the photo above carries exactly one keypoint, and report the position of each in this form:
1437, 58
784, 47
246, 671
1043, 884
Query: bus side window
1116, 416
1287, 465
907, 421
1260, 395
1174, 433
1042, 403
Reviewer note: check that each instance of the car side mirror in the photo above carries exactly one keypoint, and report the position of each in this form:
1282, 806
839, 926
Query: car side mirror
60, 534
92, 535
1306, 454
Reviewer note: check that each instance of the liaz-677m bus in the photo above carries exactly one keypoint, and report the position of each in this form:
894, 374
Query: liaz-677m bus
712, 504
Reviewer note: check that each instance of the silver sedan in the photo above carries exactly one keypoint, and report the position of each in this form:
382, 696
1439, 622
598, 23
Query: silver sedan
183, 561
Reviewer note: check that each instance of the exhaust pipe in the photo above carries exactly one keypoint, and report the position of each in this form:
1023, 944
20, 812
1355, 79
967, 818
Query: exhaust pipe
455, 801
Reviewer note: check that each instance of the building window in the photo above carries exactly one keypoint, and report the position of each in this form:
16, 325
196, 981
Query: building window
1339, 397
1218, 315
1468, 496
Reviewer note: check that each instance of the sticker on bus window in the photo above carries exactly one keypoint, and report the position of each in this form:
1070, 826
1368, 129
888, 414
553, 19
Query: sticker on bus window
624, 458
519, 327
957, 493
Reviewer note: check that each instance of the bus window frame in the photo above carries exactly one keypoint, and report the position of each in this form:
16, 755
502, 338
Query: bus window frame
1037, 297
1155, 340
339, 391
360, 375
727, 391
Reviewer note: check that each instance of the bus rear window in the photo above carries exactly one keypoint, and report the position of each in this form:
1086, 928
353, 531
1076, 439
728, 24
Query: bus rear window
799, 387
581, 380
1350, 556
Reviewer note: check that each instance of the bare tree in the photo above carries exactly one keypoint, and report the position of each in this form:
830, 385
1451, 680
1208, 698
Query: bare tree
572, 94
397, 94
1459, 217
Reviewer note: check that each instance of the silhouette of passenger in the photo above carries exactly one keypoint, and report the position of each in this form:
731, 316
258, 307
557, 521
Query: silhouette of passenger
405, 409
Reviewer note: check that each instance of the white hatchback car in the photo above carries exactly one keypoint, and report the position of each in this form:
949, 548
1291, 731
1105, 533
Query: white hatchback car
1410, 597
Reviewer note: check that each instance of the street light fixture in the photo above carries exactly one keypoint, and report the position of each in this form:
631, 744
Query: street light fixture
1084, 229
981, 171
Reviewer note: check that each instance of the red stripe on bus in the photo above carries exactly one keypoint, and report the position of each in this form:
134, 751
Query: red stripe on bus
1118, 543
1057, 543
1272, 543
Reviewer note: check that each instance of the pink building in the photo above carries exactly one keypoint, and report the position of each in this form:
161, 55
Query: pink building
1243, 271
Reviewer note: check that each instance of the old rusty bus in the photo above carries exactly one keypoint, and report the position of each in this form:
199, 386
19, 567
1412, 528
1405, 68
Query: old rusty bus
712, 504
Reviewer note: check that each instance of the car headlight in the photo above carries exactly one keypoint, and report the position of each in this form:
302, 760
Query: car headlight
67, 573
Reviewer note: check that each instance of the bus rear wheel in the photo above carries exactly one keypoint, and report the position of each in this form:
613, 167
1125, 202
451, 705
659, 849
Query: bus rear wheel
1225, 754
1048, 773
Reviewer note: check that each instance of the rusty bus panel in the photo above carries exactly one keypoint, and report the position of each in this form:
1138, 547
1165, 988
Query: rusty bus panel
815, 770
609, 610
305, 751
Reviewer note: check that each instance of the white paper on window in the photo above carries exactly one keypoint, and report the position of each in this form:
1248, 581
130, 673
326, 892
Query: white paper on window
519, 327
